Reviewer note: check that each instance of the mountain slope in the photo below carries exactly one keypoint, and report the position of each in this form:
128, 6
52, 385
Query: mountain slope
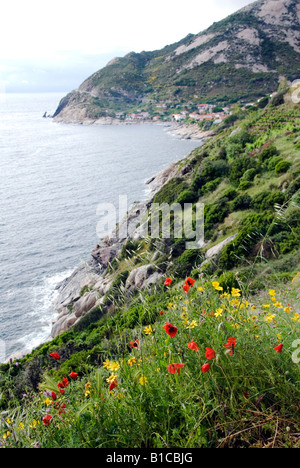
240, 57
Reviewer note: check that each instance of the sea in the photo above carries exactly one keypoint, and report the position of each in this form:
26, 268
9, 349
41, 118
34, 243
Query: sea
53, 176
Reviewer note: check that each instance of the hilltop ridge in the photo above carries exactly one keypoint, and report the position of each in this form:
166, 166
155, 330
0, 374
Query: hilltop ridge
240, 58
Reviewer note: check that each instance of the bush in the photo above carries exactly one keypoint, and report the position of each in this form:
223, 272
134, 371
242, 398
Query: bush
242, 202
209, 187
228, 281
244, 185
282, 166
267, 200
239, 167
294, 187
187, 262
187, 196
170, 191
268, 153
215, 213
273, 162
249, 175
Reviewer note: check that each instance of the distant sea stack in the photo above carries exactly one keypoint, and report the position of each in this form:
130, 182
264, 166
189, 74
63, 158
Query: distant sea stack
239, 58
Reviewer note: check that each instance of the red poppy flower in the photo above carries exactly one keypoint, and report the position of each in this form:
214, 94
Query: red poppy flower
175, 368
65, 382
278, 348
209, 353
170, 329
205, 367
190, 281
161, 312
168, 281
113, 385
53, 396
73, 375
47, 419
62, 391
193, 346
55, 356
134, 344
186, 288
231, 344
246, 395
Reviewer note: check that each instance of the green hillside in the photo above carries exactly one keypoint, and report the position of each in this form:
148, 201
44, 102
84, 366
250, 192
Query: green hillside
222, 373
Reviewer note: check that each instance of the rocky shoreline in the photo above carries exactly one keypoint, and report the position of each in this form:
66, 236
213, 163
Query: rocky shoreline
182, 130
91, 277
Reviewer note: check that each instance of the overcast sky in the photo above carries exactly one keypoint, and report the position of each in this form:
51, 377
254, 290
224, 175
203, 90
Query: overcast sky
55, 45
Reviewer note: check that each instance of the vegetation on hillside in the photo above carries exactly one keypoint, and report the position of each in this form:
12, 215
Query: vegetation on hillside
223, 373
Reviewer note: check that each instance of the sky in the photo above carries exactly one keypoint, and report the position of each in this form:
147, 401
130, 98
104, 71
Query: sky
52, 46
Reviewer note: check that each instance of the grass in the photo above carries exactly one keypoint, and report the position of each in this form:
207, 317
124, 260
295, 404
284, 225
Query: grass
244, 399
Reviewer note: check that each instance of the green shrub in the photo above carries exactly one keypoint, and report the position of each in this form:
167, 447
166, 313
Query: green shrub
282, 166
228, 281
239, 167
268, 153
187, 196
187, 262
170, 191
215, 213
249, 175
209, 187
242, 202
267, 200
244, 185
273, 162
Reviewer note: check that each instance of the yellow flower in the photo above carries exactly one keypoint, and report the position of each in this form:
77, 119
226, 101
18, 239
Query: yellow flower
236, 325
288, 309
106, 364
279, 336
158, 369
278, 305
219, 313
192, 325
269, 318
21, 426
33, 424
200, 289
143, 380
148, 330
273, 299
114, 366
266, 305
217, 286
8, 421
253, 307
184, 309
235, 292
112, 378
272, 292
296, 317
48, 401
7, 434
131, 361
